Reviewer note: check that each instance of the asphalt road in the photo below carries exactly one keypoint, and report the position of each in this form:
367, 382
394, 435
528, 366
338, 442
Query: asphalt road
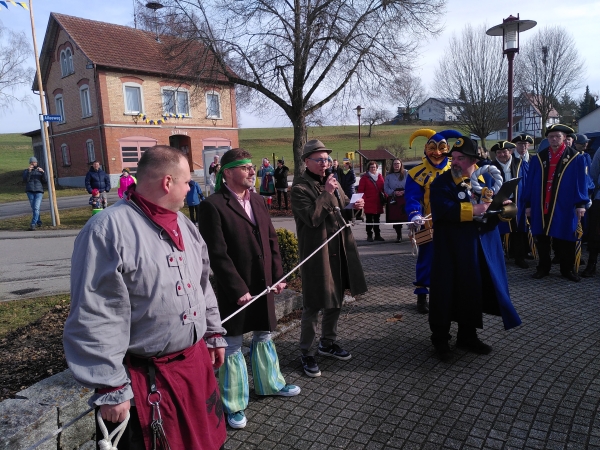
38, 263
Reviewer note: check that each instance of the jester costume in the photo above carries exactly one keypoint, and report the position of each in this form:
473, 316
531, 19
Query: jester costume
434, 163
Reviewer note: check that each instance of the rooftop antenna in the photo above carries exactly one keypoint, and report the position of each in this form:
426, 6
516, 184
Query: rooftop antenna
134, 16
155, 6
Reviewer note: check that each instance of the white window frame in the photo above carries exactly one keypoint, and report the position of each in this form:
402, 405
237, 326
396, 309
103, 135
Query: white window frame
84, 97
176, 91
59, 102
66, 155
66, 62
130, 84
208, 115
91, 152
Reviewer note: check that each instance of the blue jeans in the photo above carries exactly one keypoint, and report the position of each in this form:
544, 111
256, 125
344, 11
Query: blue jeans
35, 200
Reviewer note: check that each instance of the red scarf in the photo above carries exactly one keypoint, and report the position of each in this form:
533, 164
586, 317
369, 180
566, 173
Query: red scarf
163, 217
554, 160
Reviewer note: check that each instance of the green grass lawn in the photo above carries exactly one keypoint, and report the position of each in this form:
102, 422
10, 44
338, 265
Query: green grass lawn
15, 151
18, 313
263, 142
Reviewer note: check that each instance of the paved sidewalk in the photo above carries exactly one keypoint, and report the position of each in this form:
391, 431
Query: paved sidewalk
538, 389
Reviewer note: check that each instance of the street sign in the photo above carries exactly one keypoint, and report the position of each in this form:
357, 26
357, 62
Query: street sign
52, 118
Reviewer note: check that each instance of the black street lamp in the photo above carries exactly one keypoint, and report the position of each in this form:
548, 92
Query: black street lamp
358, 110
509, 29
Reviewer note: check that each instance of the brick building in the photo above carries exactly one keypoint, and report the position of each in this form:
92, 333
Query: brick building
119, 92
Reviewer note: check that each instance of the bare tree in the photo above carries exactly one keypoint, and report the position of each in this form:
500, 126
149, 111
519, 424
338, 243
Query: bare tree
14, 52
548, 65
302, 55
476, 79
407, 91
373, 117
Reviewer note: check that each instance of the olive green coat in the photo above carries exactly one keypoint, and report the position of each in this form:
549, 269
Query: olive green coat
336, 266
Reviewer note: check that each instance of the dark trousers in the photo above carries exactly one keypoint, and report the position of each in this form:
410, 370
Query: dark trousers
398, 229
518, 244
279, 194
373, 218
195, 213
565, 250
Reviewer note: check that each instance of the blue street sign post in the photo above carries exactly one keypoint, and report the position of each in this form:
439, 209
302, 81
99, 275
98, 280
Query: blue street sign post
52, 118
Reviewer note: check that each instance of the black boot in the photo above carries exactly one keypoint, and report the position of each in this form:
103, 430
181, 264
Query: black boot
422, 303
369, 237
590, 269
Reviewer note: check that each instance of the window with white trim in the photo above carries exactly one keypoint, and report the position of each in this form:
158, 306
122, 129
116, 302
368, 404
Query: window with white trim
176, 101
91, 154
84, 97
66, 156
66, 62
213, 105
133, 98
60, 107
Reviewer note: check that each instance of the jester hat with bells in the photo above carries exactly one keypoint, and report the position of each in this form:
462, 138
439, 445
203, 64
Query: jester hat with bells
436, 148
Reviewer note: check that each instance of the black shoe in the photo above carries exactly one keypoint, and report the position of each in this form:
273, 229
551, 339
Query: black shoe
443, 351
399, 238
379, 238
539, 274
589, 271
309, 364
521, 263
369, 238
334, 351
422, 303
31, 228
474, 345
529, 257
571, 276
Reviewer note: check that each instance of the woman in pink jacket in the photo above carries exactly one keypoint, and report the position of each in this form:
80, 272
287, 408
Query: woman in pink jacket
125, 181
371, 185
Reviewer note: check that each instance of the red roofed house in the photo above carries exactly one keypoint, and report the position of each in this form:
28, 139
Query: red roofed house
118, 94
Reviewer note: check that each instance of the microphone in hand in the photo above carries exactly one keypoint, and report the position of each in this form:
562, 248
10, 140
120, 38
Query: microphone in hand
328, 172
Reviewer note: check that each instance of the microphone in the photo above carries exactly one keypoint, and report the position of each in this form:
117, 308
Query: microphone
328, 172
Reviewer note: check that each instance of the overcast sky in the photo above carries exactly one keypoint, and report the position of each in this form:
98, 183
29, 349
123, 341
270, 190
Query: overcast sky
580, 17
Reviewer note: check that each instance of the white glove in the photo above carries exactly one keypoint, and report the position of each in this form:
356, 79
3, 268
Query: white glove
418, 220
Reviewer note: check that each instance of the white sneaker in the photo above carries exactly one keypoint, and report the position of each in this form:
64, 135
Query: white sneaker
237, 420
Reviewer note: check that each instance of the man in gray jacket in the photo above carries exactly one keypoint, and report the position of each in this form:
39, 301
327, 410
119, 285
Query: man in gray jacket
33, 177
144, 318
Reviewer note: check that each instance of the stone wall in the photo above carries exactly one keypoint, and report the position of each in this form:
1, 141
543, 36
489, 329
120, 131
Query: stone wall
43, 408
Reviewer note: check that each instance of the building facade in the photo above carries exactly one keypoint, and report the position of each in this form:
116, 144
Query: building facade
119, 92
439, 110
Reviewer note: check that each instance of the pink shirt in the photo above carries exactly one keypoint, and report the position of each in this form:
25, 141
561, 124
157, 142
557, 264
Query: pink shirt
245, 202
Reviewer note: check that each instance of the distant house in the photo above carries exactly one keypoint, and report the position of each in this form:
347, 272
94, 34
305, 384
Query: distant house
439, 110
526, 119
590, 122
402, 115
119, 94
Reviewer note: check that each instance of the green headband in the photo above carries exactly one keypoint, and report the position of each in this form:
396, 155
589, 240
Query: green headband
219, 181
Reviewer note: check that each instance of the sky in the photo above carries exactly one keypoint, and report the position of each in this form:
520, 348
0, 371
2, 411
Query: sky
579, 17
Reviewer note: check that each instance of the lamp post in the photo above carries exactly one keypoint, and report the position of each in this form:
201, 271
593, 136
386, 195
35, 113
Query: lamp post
509, 29
358, 110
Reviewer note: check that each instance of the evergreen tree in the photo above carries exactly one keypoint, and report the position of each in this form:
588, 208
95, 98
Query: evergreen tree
588, 103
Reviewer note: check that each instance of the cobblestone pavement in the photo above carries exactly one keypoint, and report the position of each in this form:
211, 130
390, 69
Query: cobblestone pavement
539, 388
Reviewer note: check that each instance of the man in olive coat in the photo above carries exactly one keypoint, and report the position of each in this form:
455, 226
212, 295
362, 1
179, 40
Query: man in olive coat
244, 256
316, 204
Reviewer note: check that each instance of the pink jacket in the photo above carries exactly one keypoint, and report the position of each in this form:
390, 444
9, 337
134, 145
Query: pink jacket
124, 183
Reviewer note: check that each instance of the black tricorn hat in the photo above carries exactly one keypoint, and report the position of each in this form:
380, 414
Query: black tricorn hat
314, 146
559, 127
466, 146
503, 145
523, 138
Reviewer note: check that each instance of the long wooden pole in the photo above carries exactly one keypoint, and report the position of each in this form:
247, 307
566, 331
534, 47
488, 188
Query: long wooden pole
51, 190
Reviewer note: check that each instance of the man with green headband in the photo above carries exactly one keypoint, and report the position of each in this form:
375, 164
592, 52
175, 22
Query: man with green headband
244, 256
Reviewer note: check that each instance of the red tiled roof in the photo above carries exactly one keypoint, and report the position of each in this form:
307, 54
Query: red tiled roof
376, 155
120, 47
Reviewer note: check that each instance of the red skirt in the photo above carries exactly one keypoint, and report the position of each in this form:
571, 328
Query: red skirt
190, 404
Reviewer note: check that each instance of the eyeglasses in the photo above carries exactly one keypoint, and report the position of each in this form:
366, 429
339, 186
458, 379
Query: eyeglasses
319, 160
244, 168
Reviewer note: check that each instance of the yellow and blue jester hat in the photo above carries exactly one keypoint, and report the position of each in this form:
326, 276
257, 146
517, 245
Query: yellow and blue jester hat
436, 148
